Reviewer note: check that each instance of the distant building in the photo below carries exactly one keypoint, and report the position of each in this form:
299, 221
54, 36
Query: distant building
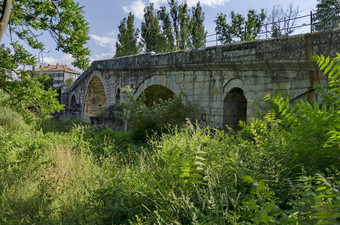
60, 73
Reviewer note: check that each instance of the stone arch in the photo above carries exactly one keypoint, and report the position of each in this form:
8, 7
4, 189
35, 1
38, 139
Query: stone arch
233, 83
155, 92
158, 80
95, 101
305, 93
234, 108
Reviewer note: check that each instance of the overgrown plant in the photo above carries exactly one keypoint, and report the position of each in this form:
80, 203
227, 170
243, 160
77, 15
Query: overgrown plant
144, 121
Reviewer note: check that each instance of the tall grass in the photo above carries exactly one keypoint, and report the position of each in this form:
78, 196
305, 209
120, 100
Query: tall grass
189, 176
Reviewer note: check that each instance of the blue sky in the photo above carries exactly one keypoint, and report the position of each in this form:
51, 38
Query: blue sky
104, 17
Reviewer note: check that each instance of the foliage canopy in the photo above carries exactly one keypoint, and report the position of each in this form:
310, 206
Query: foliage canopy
327, 15
26, 23
240, 28
127, 38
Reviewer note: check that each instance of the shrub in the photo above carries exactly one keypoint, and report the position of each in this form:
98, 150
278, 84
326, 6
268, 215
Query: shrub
144, 121
10, 120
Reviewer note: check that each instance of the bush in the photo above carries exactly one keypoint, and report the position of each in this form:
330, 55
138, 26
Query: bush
144, 121
10, 120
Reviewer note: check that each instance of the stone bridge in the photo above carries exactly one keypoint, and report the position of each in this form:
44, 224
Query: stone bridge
218, 81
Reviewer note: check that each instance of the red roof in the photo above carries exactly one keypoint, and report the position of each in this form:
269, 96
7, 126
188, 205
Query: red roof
50, 68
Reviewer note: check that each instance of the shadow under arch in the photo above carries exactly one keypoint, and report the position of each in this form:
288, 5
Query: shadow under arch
155, 92
95, 98
234, 108
160, 80
73, 100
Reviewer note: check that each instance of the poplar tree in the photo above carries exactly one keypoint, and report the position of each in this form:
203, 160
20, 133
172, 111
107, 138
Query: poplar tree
327, 15
184, 24
167, 29
174, 16
152, 38
127, 38
198, 33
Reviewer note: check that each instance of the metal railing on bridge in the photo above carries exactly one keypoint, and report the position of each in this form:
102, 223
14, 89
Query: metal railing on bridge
300, 25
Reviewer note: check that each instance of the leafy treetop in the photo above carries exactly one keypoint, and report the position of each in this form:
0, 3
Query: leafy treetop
27, 22
327, 15
63, 19
240, 28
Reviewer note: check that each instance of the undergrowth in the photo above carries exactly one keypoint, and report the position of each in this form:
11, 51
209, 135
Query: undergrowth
281, 168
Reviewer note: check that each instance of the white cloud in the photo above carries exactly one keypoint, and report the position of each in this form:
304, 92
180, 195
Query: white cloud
108, 42
210, 3
137, 6
66, 59
107, 55
158, 2
137, 9
104, 41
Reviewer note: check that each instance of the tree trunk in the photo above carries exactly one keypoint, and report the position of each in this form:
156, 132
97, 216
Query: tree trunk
5, 13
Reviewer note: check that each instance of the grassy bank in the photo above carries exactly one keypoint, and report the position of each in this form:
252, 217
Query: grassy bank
189, 176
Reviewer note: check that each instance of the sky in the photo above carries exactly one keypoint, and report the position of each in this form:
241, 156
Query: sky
104, 17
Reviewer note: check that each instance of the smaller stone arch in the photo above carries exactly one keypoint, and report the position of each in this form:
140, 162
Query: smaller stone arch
118, 95
233, 83
73, 101
95, 102
234, 108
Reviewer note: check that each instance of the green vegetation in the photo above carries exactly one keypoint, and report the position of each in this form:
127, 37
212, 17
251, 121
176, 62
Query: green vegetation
162, 31
282, 168
127, 38
327, 15
240, 28
147, 120
68, 83
28, 21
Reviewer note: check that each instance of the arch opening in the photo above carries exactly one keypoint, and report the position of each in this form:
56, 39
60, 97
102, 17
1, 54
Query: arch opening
234, 108
156, 92
118, 95
95, 98
73, 101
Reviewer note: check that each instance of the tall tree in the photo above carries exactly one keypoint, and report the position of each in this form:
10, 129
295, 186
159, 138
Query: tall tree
27, 20
175, 18
223, 29
167, 29
241, 28
327, 15
184, 24
198, 33
127, 38
152, 38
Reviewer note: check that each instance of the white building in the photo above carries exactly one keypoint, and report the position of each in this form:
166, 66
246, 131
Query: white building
60, 73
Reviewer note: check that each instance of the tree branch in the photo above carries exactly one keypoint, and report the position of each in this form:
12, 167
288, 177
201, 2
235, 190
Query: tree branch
5, 13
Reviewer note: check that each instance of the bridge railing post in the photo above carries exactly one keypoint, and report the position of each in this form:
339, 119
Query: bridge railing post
216, 38
311, 21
